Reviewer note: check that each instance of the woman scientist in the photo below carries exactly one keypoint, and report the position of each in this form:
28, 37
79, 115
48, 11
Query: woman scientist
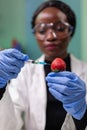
45, 100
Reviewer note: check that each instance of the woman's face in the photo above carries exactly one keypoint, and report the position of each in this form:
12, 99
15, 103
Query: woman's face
51, 32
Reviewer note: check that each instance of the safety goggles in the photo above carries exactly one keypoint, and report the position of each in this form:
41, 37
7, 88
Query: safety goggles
60, 28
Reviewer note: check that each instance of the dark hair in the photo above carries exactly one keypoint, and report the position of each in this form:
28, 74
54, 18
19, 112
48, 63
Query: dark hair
60, 5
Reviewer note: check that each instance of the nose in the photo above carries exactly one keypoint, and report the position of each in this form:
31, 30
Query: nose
51, 36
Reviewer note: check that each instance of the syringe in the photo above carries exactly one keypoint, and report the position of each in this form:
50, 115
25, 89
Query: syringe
37, 62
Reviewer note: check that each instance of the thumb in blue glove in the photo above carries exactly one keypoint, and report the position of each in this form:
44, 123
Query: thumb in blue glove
68, 88
11, 62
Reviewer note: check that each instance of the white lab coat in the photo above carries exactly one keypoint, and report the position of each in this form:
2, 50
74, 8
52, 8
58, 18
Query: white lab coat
28, 92
8, 120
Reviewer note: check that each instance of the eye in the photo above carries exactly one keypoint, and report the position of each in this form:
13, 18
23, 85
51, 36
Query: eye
41, 28
41, 31
60, 28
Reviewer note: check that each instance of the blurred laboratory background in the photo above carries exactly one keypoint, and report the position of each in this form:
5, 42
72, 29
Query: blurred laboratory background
15, 27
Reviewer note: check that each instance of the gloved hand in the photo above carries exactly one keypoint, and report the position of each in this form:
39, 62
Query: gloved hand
68, 88
11, 62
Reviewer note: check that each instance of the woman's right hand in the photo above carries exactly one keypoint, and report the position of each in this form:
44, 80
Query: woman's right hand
11, 62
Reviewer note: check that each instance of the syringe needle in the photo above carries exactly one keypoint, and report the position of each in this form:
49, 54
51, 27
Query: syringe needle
37, 62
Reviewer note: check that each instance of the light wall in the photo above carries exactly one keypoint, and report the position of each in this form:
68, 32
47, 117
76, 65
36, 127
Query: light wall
84, 30
12, 22
15, 18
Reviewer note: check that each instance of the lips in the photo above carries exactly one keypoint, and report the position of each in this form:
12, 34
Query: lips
51, 46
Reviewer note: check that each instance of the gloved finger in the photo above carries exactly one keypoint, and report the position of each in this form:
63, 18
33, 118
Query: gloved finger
77, 87
60, 96
13, 75
62, 74
68, 99
74, 84
68, 85
56, 94
11, 61
10, 68
66, 90
74, 108
58, 80
18, 63
70, 76
60, 77
8, 63
64, 97
60, 88
14, 53
79, 114
9, 74
17, 54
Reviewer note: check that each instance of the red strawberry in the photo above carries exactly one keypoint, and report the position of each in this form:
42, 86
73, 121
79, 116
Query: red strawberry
58, 65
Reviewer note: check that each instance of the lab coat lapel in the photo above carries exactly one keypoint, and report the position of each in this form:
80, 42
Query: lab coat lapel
38, 96
76, 66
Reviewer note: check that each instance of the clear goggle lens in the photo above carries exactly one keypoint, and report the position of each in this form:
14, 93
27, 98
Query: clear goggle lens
61, 29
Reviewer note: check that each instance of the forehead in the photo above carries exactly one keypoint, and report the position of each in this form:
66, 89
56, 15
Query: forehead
50, 14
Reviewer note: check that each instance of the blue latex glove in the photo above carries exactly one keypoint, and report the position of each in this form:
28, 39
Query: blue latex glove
68, 88
11, 62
